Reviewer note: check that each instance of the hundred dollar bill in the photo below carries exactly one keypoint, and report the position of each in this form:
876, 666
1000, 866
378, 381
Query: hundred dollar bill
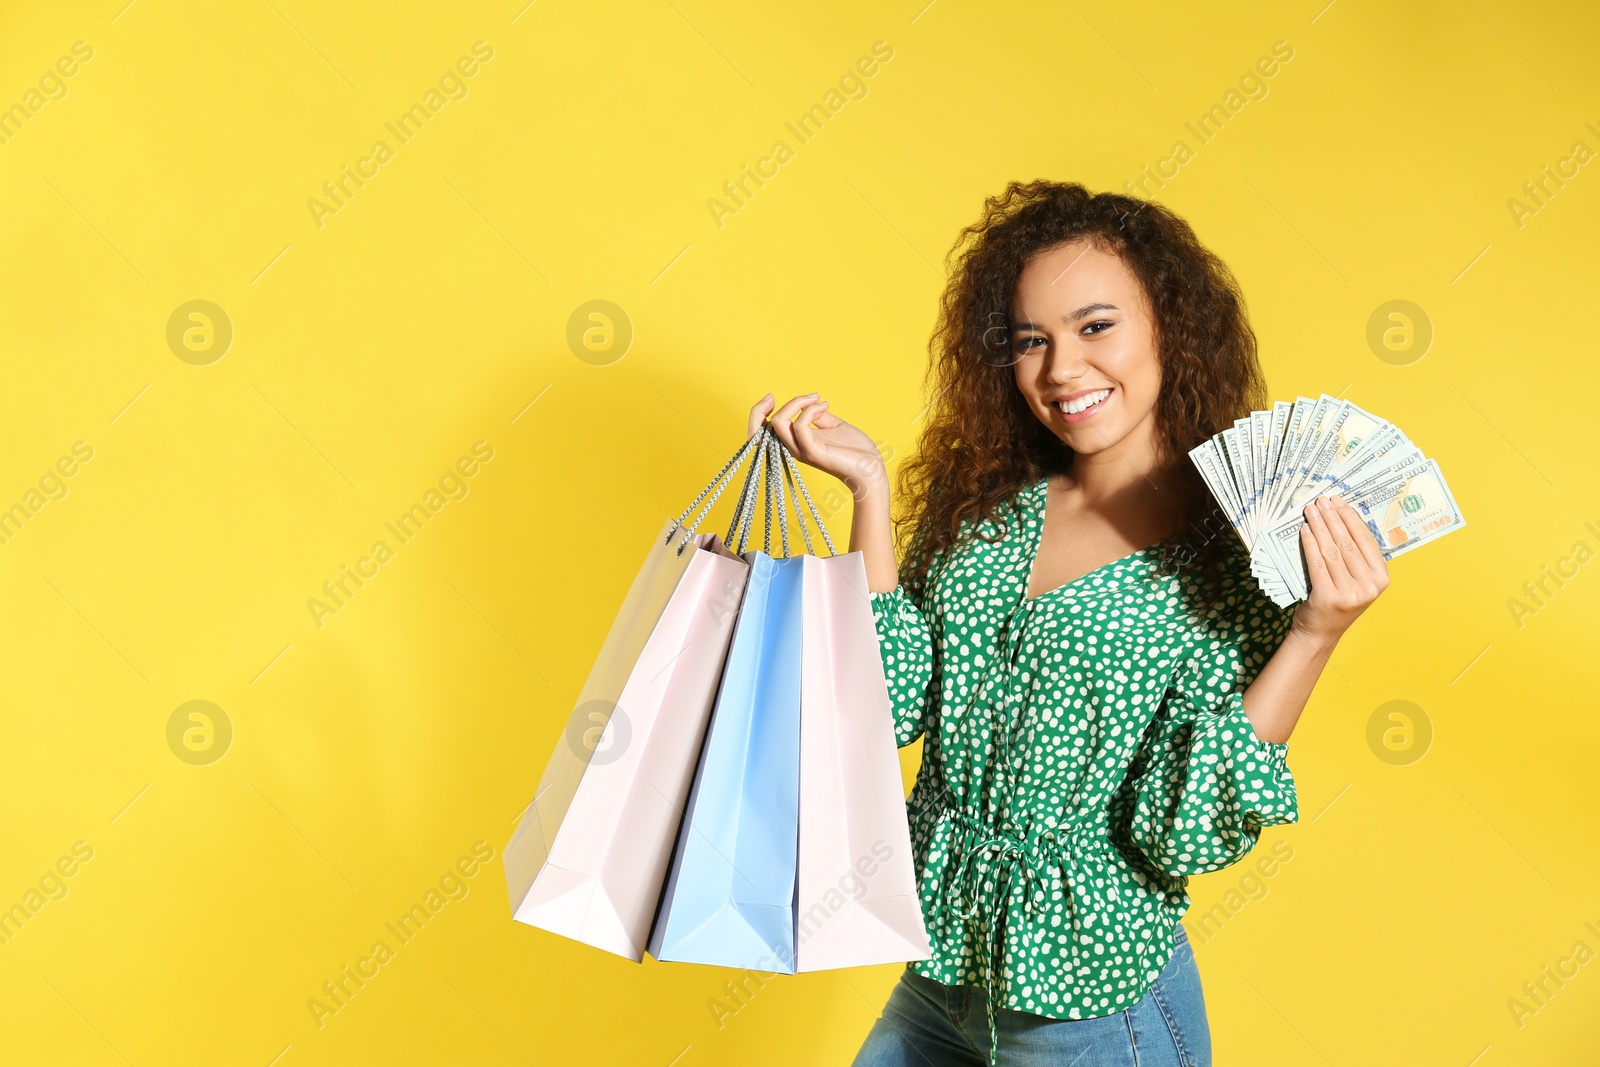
1208, 461
1294, 431
1276, 434
1260, 424
1233, 452
1354, 429
1268, 577
1383, 444
1311, 432
1316, 461
1352, 437
1404, 506
1419, 509
1281, 544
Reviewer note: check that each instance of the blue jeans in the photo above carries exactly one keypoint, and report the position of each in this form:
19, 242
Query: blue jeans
928, 1024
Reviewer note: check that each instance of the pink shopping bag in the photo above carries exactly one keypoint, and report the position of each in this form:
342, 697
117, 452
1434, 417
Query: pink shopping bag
856, 901
589, 858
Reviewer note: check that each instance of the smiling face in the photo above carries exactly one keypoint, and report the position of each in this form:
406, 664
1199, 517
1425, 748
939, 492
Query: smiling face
1083, 332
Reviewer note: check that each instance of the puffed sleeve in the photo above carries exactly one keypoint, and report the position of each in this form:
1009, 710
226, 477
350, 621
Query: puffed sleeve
905, 641
1204, 783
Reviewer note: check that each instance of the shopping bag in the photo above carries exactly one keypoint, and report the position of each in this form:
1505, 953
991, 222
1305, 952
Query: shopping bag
795, 853
729, 897
857, 897
589, 858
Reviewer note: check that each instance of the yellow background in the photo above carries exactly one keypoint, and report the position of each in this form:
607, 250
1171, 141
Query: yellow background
431, 312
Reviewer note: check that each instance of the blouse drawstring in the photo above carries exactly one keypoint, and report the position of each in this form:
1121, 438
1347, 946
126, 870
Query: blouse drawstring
1016, 867
1009, 854
1005, 848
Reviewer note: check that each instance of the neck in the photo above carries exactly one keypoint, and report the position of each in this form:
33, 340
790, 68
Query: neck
1126, 479
1130, 468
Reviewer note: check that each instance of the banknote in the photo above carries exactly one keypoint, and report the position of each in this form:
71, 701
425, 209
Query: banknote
1266, 467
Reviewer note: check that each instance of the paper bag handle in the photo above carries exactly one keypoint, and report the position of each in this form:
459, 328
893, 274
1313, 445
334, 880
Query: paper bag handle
744, 512
792, 471
773, 467
715, 488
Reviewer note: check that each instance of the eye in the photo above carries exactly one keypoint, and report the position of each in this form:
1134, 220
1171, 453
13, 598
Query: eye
1098, 322
1023, 344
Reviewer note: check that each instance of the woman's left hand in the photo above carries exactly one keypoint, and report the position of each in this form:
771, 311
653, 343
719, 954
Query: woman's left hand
1347, 569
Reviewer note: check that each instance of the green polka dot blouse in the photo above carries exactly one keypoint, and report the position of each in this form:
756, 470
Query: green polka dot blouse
1084, 752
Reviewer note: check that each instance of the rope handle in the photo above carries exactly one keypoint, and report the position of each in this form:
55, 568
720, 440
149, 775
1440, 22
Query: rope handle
792, 469
784, 470
772, 468
743, 520
715, 488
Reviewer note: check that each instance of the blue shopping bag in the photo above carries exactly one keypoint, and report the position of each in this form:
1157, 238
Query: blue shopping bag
730, 893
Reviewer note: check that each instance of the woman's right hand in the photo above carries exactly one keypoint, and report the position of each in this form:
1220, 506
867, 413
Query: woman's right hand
821, 439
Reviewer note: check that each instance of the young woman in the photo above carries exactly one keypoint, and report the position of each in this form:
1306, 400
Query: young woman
1103, 692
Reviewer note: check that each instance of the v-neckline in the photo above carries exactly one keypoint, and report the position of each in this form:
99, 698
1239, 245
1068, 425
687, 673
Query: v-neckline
1041, 505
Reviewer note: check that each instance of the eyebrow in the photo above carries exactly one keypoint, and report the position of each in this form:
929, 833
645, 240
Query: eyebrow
1068, 319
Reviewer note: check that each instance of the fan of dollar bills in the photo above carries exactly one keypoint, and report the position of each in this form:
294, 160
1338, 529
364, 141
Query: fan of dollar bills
1271, 464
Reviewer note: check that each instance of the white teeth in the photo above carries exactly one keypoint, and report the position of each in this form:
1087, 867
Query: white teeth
1072, 407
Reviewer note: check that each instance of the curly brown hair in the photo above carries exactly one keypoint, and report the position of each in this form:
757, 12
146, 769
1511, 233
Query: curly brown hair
981, 443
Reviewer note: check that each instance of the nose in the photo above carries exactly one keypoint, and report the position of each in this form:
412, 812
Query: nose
1063, 365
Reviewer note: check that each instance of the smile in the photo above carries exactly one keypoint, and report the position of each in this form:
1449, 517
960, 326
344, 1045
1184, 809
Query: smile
1084, 407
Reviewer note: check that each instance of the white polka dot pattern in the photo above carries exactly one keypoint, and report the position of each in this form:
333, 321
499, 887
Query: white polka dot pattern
1084, 752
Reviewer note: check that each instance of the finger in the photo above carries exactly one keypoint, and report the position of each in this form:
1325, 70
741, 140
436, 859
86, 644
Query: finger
1337, 575
824, 418
758, 414
803, 433
1375, 570
1333, 553
1350, 557
1365, 541
786, 413
782, 420
1316, 566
